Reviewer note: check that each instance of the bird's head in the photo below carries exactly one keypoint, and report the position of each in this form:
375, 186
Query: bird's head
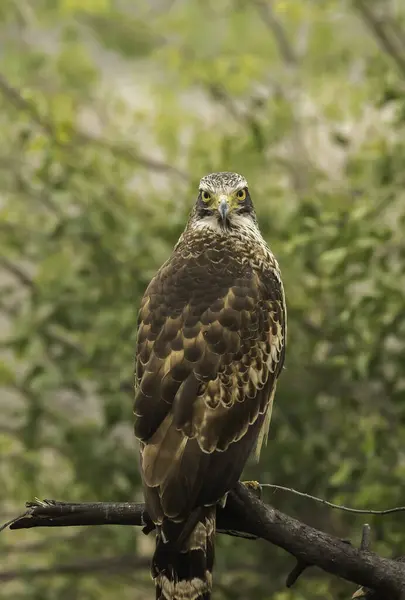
223, 201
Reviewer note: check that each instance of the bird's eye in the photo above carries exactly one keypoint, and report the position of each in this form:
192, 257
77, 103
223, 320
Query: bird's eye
241, 195
206, 196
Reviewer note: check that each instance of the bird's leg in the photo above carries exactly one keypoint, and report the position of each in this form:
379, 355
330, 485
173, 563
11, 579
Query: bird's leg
147, 524
253, 486
189, 525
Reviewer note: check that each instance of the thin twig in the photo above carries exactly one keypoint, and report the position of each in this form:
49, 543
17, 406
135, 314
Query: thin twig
11, 522
359, 511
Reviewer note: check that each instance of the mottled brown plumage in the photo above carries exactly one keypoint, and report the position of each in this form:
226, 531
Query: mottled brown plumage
211, 343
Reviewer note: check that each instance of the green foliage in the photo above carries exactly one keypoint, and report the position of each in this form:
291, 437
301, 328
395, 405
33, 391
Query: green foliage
110, 112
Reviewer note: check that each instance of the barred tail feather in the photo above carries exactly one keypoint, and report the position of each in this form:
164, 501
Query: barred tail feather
182, 569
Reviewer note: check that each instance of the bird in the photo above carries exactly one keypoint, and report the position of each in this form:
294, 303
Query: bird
210, 347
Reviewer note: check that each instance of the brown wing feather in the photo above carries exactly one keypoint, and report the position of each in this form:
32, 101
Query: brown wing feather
210, 348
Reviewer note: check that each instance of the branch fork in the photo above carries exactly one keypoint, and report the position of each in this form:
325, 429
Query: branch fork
244, 515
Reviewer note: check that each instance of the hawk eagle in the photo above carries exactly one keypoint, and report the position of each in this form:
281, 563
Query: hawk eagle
210, 347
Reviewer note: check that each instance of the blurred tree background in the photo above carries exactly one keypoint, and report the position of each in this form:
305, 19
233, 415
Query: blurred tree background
110, 112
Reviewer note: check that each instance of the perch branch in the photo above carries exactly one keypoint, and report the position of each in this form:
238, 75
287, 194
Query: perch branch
243, 515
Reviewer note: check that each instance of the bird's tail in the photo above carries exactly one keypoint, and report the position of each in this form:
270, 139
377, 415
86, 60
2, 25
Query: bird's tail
184, 557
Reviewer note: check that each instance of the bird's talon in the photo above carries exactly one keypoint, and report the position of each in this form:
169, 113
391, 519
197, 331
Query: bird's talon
253, 486
146, 529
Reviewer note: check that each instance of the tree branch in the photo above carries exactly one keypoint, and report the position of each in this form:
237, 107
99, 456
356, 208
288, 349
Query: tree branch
358, 511
247, 516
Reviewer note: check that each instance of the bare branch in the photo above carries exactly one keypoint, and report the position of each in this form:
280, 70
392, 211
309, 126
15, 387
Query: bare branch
363, 592
359, 511
49, 513
245, 515
315, 547
14, 520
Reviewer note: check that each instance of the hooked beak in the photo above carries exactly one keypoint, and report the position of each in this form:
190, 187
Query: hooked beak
223, 208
